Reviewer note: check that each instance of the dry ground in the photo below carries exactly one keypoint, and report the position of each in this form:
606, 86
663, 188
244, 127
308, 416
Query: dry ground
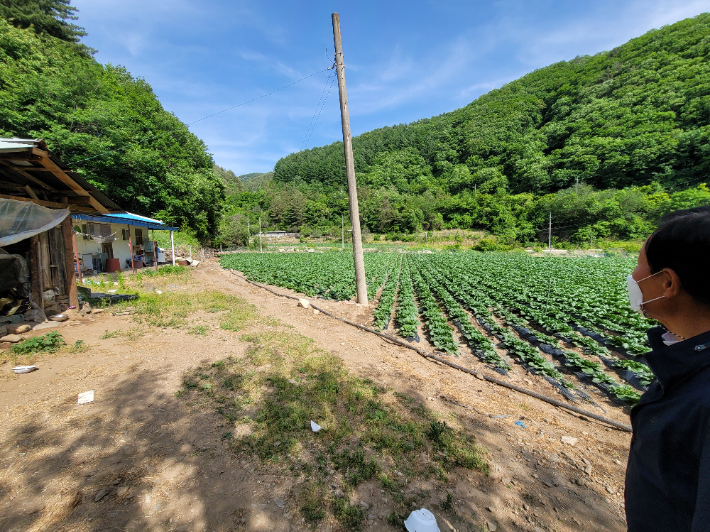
141, 458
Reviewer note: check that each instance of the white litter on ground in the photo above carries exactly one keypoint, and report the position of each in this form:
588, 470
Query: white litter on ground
315, 427
24, 369
86, 397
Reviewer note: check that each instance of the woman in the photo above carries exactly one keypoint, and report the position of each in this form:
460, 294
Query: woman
668, 473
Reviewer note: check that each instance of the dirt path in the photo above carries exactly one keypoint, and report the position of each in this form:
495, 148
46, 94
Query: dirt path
140, 458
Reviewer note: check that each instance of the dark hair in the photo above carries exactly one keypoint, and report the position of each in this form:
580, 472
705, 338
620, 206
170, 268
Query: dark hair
682, 243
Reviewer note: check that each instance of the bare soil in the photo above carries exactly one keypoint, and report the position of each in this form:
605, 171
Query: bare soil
140, 458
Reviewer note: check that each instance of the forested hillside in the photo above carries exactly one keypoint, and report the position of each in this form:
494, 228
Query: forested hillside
637, 114
629, 129
106, 124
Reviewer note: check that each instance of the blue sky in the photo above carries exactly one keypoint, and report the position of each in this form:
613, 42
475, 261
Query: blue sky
404, 60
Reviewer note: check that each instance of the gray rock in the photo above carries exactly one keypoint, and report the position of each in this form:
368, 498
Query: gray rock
279, 503
46, 325
12, 338
569, 440
101, 494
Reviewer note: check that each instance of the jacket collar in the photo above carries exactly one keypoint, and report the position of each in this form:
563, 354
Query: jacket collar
675, 362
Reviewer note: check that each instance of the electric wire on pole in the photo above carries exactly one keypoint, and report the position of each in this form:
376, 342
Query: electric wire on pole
358, 258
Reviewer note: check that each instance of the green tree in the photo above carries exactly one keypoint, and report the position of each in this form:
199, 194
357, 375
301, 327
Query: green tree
46, 17
109, 127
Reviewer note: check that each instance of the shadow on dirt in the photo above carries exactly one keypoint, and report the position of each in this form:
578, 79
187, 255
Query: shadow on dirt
139, 460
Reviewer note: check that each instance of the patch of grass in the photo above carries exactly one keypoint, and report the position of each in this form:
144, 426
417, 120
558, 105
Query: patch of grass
349, 515
171, 309
134, 333
80, 346
198, 330
367, 432
354, 466
111, 334
311, 503
448, 504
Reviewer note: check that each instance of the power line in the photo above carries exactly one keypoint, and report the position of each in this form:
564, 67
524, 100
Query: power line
318, 111
200, 119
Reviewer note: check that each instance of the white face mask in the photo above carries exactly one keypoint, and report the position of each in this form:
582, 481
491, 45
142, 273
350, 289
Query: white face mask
636, 296
669, 338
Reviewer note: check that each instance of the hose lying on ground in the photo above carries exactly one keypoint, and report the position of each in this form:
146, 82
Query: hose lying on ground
423, 353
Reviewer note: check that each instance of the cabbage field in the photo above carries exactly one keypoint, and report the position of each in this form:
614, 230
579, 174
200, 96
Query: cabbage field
565, 318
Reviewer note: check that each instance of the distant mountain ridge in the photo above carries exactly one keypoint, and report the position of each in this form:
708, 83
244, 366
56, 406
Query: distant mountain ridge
634, 115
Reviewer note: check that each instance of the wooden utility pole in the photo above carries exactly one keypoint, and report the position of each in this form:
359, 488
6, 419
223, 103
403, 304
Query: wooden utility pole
360, 279
261, 249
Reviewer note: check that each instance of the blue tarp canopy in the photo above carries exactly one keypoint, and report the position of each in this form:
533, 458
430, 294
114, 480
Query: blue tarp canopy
126, 218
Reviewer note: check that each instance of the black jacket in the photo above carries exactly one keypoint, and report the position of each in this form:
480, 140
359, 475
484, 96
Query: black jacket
668, 475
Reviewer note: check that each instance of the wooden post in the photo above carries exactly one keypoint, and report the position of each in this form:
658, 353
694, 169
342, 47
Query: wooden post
155, 251
342, 233
35, 273
76, 257
358, 258
261, 249
130, 249
70, 255
549, 234
172, 246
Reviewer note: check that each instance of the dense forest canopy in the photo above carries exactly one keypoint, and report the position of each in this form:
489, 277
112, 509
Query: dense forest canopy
632, 116
613, 137
103, 122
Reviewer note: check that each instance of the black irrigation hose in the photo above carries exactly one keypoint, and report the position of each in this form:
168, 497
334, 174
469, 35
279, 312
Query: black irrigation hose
554, 402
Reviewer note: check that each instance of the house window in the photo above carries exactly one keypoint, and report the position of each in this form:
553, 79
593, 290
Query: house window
125, 233
85, 231
139, 237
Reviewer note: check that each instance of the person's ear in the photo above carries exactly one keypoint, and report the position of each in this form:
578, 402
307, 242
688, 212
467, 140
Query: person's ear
671, 283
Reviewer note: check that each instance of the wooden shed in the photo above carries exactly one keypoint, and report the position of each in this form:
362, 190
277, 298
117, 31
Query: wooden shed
31, 174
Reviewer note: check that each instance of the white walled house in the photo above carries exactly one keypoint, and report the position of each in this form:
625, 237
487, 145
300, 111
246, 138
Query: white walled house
114, 236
